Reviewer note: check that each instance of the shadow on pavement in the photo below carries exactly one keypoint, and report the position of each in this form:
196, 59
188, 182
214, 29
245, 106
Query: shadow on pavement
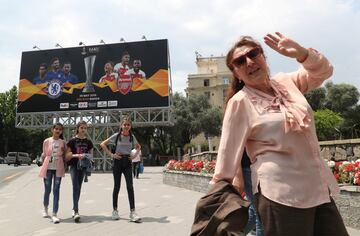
88, 219
152, 219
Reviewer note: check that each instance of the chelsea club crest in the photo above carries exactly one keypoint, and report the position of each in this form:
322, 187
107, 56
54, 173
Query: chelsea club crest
54, 89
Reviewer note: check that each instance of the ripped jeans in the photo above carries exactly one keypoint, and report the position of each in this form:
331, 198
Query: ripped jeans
50, 176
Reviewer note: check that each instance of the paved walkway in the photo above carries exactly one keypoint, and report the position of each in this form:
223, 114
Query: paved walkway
165, 210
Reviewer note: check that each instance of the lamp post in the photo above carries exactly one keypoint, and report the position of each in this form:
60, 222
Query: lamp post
36, 47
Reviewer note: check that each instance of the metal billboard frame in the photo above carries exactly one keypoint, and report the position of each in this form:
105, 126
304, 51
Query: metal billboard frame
102, 124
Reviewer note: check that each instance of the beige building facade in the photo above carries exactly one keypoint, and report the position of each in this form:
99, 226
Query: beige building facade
211, 79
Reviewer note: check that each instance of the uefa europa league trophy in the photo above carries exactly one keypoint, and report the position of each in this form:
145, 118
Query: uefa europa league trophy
89, 68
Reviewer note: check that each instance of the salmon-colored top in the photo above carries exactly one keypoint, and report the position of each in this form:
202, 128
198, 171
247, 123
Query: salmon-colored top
280, 139
47, 151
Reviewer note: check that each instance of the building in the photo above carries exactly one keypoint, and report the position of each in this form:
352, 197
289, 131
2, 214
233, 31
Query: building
212, 79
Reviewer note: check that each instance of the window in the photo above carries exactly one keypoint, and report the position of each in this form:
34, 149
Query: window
207, 94
206, 82
225, 80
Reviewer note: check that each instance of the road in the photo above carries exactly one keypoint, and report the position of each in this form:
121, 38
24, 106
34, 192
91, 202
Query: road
10, 172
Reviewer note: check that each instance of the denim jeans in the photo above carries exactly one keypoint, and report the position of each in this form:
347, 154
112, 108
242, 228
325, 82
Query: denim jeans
253, 216
77, 177
50, 175
136, 168
118, 169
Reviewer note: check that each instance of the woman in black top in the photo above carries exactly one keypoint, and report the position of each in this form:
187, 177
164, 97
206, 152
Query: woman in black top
78, 147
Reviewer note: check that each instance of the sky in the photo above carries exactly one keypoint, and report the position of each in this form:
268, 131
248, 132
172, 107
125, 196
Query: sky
209, 27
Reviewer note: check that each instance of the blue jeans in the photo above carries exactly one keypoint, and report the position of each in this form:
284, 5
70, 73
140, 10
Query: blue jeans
253, 216
77, 177
50, 175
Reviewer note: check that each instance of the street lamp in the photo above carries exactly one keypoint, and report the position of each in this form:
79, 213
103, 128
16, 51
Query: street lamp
340, 137
36, 47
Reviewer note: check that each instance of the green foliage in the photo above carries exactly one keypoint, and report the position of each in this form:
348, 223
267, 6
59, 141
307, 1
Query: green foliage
193, 116
211, 121
341, 97
316, 98
326, 121
14, 139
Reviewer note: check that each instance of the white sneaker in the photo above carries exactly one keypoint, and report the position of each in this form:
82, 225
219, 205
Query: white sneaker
115, 215
45, 213
72, 214
134, 217
55, 219
77, 217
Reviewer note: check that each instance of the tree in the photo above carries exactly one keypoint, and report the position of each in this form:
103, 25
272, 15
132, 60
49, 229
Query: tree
350, 128
341, 97
12, 138
193, 116
211, 121
316, 98
7, 110
327, 124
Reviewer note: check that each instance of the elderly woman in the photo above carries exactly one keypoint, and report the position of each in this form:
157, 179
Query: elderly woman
270, 117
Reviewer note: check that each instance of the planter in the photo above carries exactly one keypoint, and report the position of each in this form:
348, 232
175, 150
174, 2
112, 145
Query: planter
188, 180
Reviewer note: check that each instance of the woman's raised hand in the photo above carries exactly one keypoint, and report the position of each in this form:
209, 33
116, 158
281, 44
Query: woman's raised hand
286, 46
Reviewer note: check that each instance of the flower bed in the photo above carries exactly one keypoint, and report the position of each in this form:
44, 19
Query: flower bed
346, 172
203, 167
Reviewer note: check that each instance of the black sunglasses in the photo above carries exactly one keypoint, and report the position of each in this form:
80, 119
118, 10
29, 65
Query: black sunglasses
252, 54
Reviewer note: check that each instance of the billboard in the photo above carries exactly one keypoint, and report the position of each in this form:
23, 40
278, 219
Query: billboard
98, 77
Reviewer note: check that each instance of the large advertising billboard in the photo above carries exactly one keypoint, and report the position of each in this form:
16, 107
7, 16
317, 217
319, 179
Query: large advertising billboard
98, 77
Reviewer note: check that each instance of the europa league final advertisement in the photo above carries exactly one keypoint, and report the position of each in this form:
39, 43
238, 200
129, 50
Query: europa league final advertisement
99, 77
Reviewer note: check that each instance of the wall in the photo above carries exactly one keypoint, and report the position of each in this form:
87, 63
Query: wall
340, 150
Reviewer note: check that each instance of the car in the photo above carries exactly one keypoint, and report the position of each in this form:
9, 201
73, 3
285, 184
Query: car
18, 158
37, 161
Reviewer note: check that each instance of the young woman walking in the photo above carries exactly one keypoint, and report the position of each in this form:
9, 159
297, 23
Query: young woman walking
78, 147
53, 169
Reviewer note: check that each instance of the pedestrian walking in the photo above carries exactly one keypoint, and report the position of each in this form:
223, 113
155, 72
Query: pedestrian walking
52, 169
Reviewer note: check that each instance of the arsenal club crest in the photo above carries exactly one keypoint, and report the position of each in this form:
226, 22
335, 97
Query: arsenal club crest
124, 84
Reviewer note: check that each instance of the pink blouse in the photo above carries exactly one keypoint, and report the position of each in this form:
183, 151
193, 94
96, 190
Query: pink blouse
47, 151
280, 138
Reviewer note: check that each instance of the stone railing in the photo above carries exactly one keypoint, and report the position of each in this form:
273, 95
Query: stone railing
348, 202
337, 150
340, 150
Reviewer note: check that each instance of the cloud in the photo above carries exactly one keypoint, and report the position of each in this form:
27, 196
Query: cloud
209, 27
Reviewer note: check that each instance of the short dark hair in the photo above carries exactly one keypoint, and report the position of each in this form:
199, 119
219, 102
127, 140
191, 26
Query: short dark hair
54, 59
